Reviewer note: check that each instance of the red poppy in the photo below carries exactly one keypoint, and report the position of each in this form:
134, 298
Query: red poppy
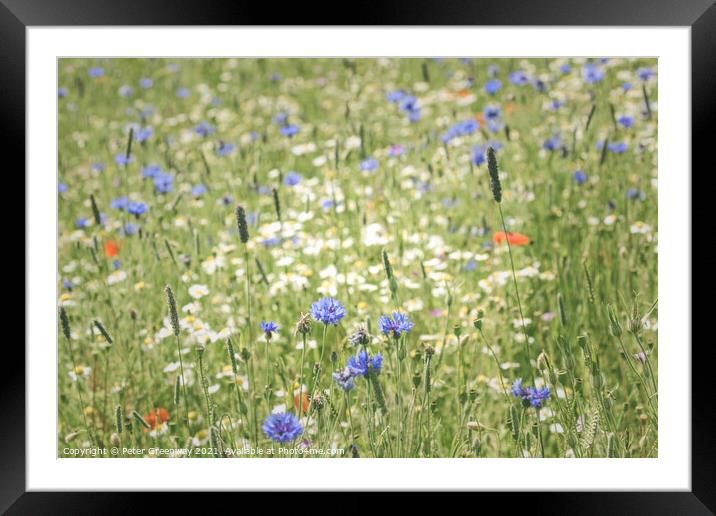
512, 238
161, 414
111, 248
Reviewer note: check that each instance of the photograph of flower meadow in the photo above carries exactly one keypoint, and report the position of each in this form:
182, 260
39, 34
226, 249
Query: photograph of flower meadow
355, 258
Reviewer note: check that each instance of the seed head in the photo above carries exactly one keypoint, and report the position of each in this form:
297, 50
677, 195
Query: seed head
102, 330
65, 322
173, 316
359, 337
241, 222
317, 401
95, 211
303, 325
494, 175
277, 204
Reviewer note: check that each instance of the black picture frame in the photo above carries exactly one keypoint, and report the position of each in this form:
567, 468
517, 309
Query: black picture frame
700, 15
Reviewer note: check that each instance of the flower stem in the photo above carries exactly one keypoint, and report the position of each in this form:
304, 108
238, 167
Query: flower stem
300, 381
183, 382
517, 293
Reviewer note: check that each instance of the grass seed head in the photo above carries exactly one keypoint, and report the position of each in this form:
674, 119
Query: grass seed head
65, 322
241, 222
173, 315
494, 175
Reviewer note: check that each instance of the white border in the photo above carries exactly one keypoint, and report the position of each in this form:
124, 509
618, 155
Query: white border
670, 471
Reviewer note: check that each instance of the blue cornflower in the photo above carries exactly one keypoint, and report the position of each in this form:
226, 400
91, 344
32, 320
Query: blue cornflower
369, 164
345, 379
151, 171
121, 159
552, 144
204, 129
518, 78
645, 74
409, 103
125, 91
539, 85
494, 125
116, 264
633, 194
81, 222
227, 200
592, 74
98, 167
362, 364
460, 129
328, 310
96, 71
198, 190
618, 147
292, 178
130, 229
146, 83
143, 134
282, 427
120, 203
136, 208
280, 118
182, 93
270, 242
470, 266
67, 284
414, 115
289, 130
531, 396
565, 68
269, 328
626, 121
517, 389
61, 92
491, 112
61, 187
580, 177
395, 96
626, 86
164, 183
395, 326
493, 86
538, 397
495, 144
224, 149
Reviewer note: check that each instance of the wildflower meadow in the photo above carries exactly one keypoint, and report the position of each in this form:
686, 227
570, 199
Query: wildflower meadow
357, 258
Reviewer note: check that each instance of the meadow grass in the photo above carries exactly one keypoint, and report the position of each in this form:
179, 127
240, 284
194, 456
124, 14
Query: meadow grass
486, 231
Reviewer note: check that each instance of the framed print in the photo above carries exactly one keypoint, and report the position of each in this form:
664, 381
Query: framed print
453, 257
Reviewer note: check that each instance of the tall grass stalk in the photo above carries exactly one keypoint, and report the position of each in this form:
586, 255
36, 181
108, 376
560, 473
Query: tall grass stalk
174, 321
497, 195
